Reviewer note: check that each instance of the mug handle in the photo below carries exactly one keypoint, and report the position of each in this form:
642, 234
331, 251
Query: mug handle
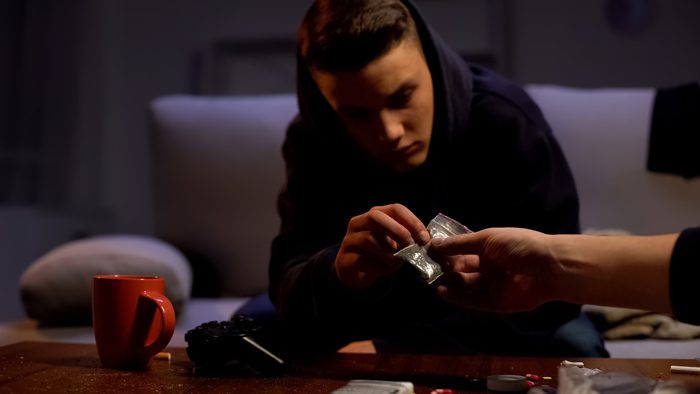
167, 316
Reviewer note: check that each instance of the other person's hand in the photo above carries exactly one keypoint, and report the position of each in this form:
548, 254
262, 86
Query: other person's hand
367, 250
497, 269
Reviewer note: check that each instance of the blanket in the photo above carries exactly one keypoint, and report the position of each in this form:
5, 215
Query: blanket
624, 323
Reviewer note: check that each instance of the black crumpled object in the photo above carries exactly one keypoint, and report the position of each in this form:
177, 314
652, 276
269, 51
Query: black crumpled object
674, 138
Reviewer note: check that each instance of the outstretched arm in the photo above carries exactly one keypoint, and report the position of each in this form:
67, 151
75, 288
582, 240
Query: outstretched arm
513, 269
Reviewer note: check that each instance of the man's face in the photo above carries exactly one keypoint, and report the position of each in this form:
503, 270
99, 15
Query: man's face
387, 106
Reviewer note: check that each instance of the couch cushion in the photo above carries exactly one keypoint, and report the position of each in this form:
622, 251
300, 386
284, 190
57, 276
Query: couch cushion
218, 168
56, 289
605, 135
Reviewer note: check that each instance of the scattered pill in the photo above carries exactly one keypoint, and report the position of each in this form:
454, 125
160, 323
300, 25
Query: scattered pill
685, 369
567, 363
163, 356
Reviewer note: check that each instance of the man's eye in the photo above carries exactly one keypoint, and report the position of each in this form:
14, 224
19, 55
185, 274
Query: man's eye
400, 100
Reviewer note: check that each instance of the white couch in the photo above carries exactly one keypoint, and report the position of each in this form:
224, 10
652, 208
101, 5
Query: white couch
604, 134
218, 167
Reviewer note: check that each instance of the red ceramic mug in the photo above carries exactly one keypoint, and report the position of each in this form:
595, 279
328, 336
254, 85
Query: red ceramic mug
132, 319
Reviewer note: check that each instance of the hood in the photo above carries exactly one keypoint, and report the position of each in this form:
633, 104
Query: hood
452, 92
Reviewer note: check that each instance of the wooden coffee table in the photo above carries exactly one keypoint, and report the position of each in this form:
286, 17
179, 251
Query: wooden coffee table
62, 367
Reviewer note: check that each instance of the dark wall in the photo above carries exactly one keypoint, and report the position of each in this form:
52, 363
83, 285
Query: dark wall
578, 43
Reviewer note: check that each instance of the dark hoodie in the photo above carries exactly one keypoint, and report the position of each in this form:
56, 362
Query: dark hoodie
492, 162
683, 274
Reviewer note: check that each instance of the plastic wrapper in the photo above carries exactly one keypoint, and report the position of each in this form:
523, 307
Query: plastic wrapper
575, 380
442, 226
580, 380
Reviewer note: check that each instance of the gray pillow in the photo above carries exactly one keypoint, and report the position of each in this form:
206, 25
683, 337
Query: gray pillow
56, 288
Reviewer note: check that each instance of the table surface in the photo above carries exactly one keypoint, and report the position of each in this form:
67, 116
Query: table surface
52, 366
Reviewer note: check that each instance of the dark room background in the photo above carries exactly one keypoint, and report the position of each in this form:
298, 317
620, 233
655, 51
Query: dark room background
76, 78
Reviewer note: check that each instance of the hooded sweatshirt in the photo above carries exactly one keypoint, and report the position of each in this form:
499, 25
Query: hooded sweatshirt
492, 162
683, 274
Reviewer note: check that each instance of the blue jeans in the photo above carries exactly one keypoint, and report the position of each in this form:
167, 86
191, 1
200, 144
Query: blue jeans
488, 334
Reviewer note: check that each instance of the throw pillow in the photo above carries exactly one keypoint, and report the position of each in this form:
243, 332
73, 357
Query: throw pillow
56, 289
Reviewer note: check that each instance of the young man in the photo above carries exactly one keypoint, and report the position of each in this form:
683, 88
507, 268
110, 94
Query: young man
395, 128
519, 269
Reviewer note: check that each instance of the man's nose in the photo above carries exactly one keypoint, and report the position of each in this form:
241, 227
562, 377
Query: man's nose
391, 127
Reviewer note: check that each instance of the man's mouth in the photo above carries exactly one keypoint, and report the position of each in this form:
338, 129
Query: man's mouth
405, 150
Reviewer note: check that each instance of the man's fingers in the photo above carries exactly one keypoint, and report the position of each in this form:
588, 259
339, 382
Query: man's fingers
465, 263
377, 248
468, 281
471, 243
376, 221
463, 289
406, 219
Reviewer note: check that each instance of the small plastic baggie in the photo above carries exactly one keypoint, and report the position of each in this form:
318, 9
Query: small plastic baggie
442, 226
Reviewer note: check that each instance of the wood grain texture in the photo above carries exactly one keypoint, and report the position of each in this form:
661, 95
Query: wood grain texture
62, 367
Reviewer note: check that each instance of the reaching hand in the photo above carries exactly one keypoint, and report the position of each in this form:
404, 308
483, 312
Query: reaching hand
368, 248
498, 269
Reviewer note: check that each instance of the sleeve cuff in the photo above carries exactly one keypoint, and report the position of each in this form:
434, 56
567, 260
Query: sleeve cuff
684, 275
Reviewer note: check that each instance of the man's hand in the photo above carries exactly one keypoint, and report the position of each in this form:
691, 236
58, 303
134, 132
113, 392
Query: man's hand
368, 248
498, 269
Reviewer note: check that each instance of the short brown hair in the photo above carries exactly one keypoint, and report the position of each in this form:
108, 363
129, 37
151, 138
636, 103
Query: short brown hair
341, 35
